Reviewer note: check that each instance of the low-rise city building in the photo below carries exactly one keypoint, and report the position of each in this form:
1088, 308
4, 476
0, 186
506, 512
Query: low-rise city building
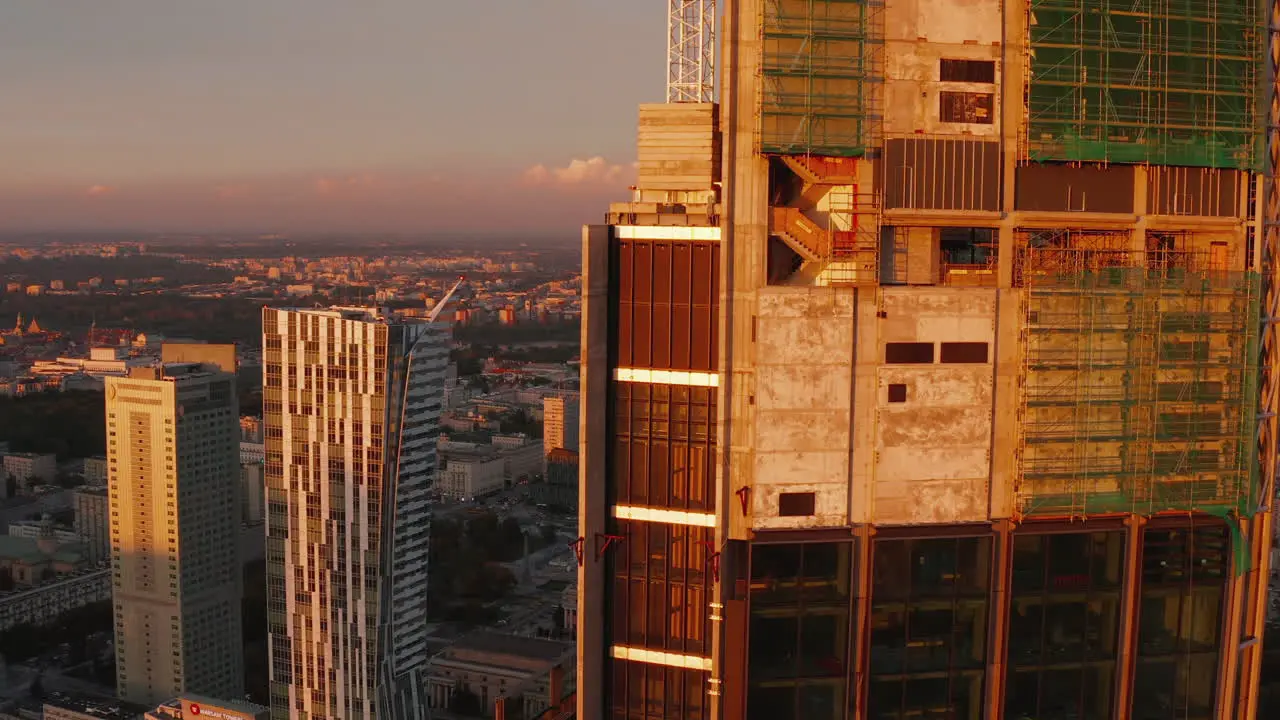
61, 706
486, 667
94, 470
43, 604
26, 467
569, 609
34, 529
197, 707
103, 362
29, 562
473, 475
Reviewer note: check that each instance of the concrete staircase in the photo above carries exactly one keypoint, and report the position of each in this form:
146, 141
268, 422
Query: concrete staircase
800, 233
823, 170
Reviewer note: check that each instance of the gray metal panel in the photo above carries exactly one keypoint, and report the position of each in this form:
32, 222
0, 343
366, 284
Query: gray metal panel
1066, 188
941, 174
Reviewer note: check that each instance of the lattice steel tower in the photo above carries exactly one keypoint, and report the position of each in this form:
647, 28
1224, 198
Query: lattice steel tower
691, 50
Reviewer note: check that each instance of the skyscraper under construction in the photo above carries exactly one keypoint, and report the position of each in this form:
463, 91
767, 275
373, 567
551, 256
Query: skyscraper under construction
930, 372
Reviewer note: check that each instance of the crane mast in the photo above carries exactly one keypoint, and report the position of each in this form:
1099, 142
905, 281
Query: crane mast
691, 51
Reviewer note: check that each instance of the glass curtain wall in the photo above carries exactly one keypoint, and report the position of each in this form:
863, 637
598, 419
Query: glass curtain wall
1064, 619
929, 627
1184, 581
798, 664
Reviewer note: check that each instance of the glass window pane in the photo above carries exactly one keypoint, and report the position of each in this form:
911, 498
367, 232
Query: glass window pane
774, 645
891, 570
821, 700
1063, 633
1028, 563
929, 628
1180, 622
771, 702
800, 610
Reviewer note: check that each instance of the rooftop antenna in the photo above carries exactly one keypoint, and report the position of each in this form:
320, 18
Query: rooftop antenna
691, 51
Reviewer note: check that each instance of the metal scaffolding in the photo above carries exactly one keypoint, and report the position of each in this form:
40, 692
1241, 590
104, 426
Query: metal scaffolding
1141, 381
1173, 82
822, 76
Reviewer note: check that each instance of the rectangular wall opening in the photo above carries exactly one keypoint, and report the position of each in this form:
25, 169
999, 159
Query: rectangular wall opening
908, 353
797, 504
955, 257
967, 71
972, 353
966, 107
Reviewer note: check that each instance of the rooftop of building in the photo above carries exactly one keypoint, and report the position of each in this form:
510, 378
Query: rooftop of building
369, 314
23, 549
173, 371
517, 645
106, 708
240, 706
561, 455
27, 455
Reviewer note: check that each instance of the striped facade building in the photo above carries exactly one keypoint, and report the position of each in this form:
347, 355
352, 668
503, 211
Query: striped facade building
352, 400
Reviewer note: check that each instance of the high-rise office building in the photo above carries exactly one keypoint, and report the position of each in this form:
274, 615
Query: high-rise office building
351, 403
91, 507
173, 461
928, 374
560, 422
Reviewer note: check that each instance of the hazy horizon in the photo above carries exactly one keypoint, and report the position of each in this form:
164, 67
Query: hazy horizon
302, 116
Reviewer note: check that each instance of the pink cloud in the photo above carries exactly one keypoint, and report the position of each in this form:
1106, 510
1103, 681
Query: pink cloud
99, 190
593, 170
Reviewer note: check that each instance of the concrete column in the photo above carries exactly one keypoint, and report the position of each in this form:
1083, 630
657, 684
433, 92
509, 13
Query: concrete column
1254, 613
592, 493
1233, 606
1138, 240
1013, 110
1001, 577
866, 348
1006, 407
861, 622
1126, 645
740, 51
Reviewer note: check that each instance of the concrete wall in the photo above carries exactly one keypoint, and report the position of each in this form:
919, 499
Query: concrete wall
804, 376
918, 34
933, 449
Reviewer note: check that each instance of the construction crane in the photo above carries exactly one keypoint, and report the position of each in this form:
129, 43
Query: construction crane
691, 40
439, 308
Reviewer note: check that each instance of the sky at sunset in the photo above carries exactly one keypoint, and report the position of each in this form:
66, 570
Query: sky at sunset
312, 115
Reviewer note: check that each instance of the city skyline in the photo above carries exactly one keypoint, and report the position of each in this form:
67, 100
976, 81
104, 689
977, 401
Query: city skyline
264, 118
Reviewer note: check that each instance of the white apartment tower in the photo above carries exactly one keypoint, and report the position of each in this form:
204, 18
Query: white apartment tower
352, 401
173, 478
560, 422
